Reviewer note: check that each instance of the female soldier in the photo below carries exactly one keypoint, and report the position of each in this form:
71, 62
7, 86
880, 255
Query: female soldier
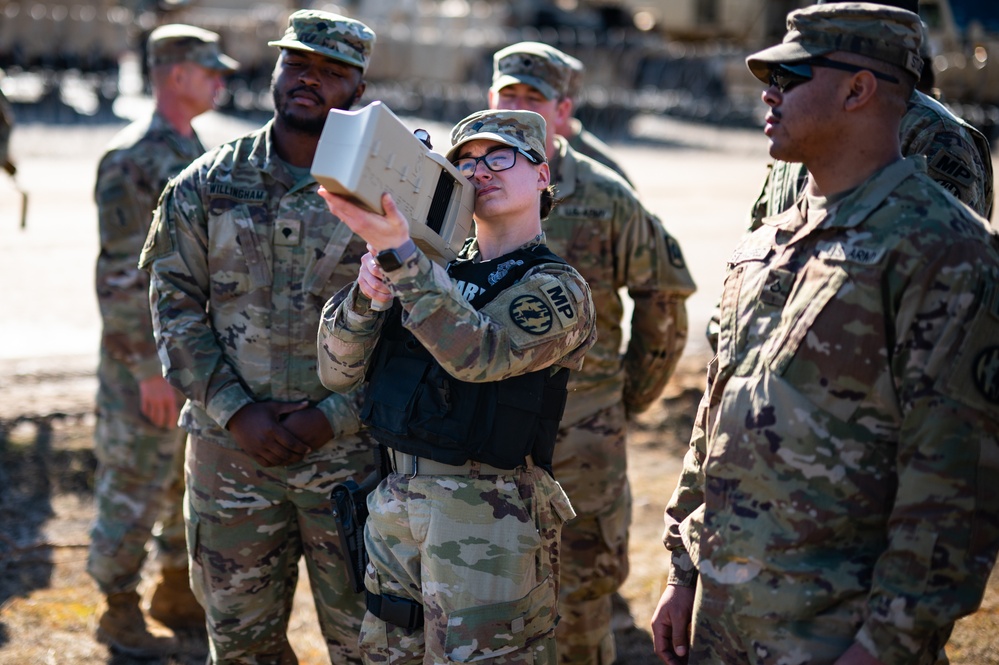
466, 380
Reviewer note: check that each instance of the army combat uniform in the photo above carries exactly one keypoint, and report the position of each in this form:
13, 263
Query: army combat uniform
475, 545
841, 481
243, 255
140, 466
599, 227
958, 158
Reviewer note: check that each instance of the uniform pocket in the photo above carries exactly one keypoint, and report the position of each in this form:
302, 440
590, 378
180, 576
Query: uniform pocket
489, 631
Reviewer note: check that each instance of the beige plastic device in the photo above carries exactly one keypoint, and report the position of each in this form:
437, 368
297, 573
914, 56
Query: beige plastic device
367, 152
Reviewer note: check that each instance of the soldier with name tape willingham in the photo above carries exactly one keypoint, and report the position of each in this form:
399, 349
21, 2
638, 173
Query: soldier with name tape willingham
243, 254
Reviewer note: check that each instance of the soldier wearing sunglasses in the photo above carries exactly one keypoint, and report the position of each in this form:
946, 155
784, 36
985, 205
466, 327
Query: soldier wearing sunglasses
958, 156
838, 503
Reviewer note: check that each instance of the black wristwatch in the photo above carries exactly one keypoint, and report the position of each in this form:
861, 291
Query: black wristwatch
392, 259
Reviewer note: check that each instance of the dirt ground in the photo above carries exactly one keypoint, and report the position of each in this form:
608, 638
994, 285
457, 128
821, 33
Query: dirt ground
699, 180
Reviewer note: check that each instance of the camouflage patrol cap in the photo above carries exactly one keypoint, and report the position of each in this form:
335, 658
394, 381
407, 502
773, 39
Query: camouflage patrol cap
524, 130
877, 31
575, 83
538, 65
328, 34
178, 42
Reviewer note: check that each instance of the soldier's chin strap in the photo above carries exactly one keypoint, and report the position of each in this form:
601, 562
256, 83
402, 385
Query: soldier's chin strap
397, 611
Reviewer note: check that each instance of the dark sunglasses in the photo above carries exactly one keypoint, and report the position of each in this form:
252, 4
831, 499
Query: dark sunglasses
497, 159
786, 76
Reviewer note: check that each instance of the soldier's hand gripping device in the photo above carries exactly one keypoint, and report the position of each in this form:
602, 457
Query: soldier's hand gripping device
363, 154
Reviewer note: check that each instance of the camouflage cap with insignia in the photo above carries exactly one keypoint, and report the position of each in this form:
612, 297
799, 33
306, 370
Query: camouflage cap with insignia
877, 31
538, 65
177, 42
328, 34
524, 130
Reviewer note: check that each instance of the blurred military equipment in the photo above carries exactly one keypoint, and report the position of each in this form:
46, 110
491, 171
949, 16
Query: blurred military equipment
677, 57
964, 44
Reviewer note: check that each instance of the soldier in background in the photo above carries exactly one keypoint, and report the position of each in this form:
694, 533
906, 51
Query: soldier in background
838, 502
958, 156
581, 139
243, 254
603, 231
139, 448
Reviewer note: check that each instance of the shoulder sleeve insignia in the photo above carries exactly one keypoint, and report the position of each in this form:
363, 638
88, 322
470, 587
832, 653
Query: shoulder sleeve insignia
948, 167
531, 314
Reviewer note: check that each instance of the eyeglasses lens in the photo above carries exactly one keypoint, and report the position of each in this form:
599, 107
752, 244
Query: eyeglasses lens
500, 159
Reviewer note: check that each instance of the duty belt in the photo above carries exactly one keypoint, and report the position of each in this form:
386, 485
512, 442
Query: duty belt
411, 465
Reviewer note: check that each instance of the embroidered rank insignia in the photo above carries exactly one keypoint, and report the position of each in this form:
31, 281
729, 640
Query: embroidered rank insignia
531, 314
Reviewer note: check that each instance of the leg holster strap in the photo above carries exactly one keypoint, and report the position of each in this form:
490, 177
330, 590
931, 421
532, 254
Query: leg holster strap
398, 611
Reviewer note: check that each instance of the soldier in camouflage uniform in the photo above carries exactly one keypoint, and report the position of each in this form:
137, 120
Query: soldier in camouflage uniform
581, 139
839, 503
139, 448
958, 156
602, 230
242, 254
465, 532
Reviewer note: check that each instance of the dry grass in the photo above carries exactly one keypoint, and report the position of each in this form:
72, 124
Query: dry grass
48, 603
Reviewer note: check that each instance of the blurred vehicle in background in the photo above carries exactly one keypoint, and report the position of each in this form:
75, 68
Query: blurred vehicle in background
679, 57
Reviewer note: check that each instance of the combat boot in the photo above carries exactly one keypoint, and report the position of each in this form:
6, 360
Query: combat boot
173, 603
123, 628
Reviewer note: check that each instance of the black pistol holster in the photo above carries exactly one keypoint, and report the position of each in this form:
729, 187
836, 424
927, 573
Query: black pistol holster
349, 502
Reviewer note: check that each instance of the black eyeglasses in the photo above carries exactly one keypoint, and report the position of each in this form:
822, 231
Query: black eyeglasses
497, 159
788, 75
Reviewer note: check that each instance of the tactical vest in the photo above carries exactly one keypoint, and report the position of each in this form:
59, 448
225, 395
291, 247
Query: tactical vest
413, 405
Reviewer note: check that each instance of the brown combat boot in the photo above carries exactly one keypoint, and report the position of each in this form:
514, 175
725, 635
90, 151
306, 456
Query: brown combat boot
173, 603
123, 628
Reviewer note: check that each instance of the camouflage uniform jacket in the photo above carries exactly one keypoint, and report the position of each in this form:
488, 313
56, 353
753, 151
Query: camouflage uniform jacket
958, 157
471, 345
603, 231
133, 171
848, 440
585, 142
242, 258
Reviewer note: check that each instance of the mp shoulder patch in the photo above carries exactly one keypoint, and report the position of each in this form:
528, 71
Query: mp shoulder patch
531, 314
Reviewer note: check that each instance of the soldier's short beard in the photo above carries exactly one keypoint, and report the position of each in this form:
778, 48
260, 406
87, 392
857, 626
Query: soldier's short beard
309, 126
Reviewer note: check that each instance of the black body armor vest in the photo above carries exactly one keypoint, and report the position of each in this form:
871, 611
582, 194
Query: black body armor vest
413, 405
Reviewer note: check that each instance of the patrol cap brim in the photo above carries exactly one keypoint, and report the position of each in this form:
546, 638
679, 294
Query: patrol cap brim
789, 52
329, 53
452, 152
503, 80
224, 63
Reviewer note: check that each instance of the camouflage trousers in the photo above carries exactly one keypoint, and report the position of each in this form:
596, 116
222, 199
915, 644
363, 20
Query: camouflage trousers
248, 526
591, 465
138, 489
480, 553
723, 637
